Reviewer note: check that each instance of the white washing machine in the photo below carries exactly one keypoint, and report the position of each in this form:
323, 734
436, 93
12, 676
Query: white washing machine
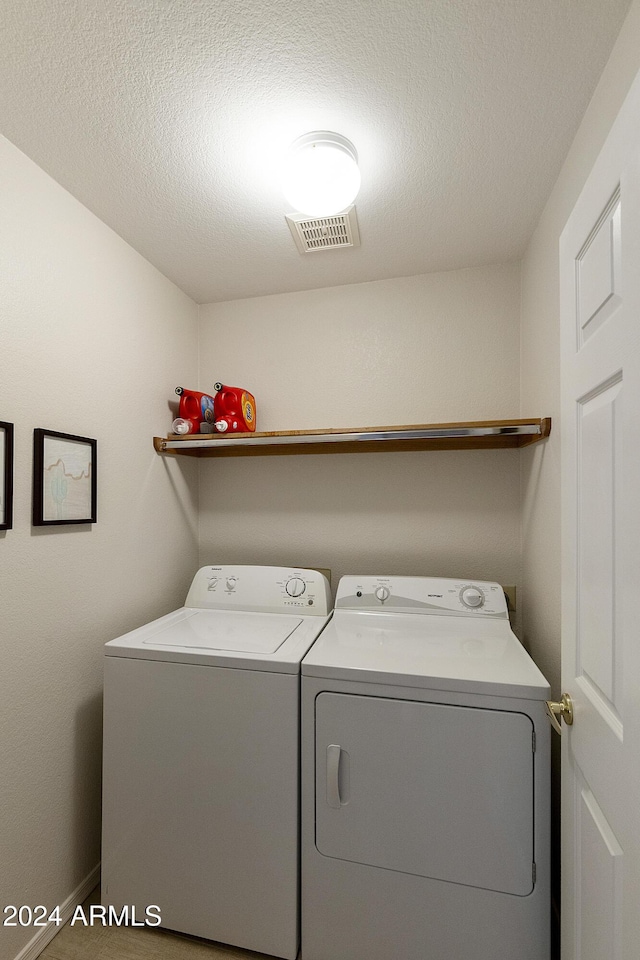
425, 781
201, 757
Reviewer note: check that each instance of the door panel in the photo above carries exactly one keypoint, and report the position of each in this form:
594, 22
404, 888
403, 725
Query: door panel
598, 468
429, 789
598, 272
600, 881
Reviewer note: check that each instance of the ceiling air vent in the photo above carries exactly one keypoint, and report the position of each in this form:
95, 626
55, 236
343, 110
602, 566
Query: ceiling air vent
324, 233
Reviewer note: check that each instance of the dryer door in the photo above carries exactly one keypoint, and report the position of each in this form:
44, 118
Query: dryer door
435, 790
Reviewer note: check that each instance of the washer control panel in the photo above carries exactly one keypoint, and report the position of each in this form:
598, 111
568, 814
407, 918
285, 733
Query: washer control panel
425, 595
260, 589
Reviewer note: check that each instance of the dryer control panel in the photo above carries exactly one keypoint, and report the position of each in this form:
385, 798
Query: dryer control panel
260, 589
422, 595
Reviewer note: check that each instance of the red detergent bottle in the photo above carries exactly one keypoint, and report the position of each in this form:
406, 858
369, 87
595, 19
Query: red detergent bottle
234, 409
195, 414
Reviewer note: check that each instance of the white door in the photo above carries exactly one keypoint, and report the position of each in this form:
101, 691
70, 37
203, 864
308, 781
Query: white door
600, 317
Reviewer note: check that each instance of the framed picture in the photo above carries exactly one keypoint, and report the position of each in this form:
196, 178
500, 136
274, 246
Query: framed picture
6, 475
64, 478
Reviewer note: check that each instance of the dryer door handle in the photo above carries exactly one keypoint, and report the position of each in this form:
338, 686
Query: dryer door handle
333, 775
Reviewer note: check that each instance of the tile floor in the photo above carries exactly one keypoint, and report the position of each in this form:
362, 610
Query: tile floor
135, 943
129, 943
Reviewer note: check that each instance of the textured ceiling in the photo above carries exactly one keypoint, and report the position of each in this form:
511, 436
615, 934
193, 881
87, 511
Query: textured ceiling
167, 119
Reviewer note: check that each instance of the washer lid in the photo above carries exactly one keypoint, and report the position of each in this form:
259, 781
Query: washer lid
222, 638
438, 653
223, 630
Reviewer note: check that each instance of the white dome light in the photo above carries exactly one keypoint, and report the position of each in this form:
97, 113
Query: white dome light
321, 175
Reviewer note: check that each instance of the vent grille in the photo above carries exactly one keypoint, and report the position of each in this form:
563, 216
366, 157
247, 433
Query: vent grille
330, 232
325, 233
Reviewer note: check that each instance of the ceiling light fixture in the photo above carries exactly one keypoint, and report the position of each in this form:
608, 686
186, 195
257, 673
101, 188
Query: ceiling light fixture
321, 175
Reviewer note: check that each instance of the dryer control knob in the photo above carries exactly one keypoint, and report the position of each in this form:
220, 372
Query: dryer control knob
295, 587
231, 583
472, 597
382, 593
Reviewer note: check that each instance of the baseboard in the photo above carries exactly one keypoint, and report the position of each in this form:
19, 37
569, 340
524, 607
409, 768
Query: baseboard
46, 934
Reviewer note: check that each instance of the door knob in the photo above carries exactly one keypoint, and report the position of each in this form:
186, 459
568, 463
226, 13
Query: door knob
560, 711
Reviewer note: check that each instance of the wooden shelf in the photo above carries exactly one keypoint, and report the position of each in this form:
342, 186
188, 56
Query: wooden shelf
475, 435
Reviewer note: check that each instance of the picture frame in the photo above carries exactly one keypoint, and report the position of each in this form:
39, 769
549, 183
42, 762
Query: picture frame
64, 478
6, 475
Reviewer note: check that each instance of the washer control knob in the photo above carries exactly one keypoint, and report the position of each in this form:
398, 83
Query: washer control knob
382, 594
212, 583
472, 597
231, 583
295, 587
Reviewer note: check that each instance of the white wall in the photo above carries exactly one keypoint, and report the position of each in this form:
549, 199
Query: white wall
434, 348
92, 340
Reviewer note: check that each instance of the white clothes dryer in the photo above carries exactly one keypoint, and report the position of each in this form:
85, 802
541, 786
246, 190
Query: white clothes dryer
201, 757
425, 782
